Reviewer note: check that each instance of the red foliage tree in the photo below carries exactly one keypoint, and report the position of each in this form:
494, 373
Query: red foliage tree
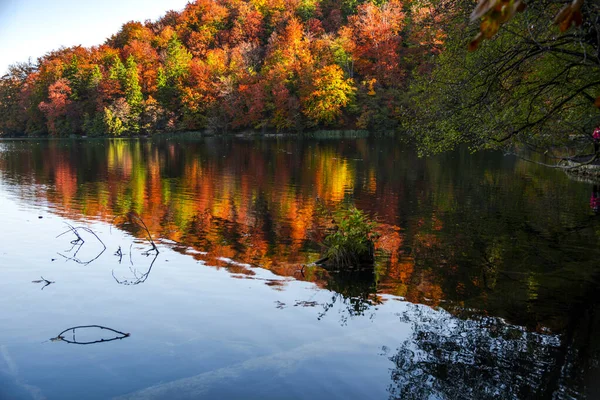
376, 32
56, 106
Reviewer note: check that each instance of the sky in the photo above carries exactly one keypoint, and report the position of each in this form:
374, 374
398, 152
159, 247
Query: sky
31, 28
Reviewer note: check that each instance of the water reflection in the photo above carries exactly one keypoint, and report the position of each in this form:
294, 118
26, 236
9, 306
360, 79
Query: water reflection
503, 253
486, 358
355, 290
595, 200
458, 228
482, 358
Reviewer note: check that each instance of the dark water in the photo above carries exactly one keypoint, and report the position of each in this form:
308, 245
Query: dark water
485, 286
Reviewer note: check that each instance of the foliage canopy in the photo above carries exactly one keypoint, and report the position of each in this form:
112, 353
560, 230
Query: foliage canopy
531, 85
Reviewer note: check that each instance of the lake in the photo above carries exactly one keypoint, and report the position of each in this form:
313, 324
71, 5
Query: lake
486, 281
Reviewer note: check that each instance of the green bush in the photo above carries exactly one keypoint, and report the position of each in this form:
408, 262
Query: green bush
351, 242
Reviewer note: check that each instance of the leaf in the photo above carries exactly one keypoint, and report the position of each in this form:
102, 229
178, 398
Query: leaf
474, 44
489, 27
562, 14
569, 15
483, 7
576, 5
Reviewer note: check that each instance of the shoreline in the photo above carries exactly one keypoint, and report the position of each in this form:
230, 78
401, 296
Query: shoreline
334, 133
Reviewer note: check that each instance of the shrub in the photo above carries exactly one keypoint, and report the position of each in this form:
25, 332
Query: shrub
351, 242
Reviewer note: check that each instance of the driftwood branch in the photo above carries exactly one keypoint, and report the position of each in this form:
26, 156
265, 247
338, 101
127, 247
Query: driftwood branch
133, 218
78, 243
62, 338
136, 219
561, 164
45, 281
119, 253
137, 276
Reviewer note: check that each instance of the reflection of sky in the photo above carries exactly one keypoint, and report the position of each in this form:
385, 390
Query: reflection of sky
30, 28
186, 320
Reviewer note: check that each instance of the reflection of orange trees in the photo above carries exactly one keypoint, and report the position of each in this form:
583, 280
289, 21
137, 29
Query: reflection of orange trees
65, 181
407, 275
389, 240
427, 244
334, 176
119, 158
413, 275
249, 206
257, 202
372, 181
258, 206
425, 290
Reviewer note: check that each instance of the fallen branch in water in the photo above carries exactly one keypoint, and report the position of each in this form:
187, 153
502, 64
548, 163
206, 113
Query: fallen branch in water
119, 253
138, 278
135, 219
61, 338
46, 281
79, 242
321, 261
79, 239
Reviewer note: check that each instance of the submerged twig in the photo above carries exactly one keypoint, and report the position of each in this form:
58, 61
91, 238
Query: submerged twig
119, 253
79, 242
46, 281
138, 278
76, 242
135, 219
61, 338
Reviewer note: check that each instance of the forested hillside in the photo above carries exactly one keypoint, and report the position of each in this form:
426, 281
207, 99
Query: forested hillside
227, 65
419, 66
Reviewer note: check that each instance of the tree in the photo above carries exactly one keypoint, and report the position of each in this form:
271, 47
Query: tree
12, 121
130, 32
131, 85
287, 62
170, 77
245, 63
147, 60
200, 22
56, 106
10, 116
376, 31
495, 13
531, 86
330, 92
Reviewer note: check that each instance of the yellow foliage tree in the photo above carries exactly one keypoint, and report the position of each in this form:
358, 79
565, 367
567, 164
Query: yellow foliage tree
331, 92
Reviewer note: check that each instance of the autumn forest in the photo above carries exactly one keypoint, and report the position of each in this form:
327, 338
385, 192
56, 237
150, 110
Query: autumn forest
426, 68
228, 65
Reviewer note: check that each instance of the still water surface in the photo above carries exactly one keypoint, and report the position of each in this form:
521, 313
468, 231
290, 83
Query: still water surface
486, 281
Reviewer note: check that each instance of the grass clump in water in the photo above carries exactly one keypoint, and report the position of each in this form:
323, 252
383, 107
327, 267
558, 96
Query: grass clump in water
351, 243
